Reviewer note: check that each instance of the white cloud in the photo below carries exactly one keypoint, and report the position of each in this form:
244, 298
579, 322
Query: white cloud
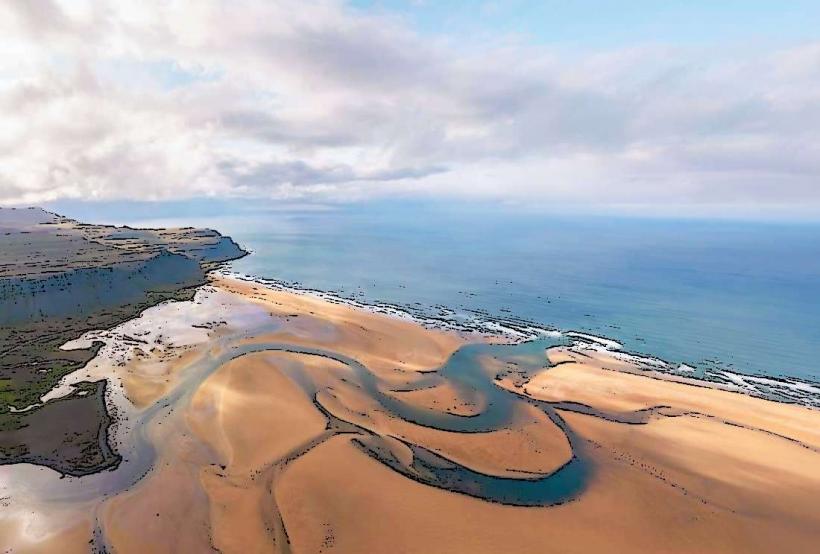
310, 100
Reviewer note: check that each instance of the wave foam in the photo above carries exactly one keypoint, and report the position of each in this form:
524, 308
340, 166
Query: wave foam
788, 390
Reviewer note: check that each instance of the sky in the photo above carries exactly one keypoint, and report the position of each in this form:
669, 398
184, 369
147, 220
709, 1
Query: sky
645, 107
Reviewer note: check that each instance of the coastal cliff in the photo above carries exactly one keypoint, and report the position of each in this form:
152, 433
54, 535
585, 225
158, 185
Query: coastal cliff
58, 279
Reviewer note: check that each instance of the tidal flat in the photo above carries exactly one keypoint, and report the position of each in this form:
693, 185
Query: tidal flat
256, 418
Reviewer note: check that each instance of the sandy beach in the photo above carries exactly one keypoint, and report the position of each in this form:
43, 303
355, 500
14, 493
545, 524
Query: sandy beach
285, 422
409, 277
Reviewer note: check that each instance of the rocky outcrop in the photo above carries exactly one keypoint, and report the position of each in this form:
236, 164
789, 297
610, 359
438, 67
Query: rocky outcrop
58, 279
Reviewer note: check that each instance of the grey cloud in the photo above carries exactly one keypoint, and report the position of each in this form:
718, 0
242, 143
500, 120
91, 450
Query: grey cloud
363, 104
40, 16
298, 173
362, 55
266, 127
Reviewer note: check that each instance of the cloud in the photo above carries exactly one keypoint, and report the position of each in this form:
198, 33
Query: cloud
299, 174
313, 100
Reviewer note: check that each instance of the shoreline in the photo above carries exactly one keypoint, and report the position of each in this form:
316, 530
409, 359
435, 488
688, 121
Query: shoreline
535, 444
787, 390
605, 348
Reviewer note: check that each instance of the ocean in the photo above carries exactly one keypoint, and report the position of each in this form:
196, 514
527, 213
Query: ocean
712, 295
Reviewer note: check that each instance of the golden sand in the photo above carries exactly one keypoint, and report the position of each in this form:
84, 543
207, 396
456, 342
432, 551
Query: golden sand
356, 504
603, 382
443, 397
255, 462
529, 444
386, 345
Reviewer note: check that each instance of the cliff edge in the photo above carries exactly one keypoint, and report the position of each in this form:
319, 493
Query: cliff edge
58, 279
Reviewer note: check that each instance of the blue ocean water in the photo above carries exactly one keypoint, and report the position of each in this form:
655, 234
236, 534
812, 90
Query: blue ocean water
737, 295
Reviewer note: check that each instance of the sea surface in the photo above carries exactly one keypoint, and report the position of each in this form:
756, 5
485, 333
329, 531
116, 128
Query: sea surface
735, 296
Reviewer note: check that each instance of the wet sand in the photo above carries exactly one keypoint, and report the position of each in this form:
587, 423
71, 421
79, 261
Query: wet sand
284, 422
